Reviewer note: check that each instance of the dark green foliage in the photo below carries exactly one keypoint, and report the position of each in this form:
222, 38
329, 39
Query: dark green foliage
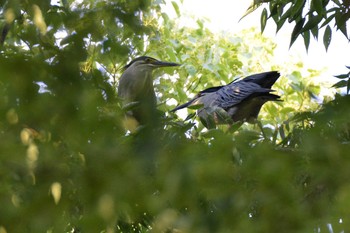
67, 164
308, 16
343, 82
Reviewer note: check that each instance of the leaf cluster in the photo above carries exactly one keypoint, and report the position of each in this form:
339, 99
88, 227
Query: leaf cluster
309, 17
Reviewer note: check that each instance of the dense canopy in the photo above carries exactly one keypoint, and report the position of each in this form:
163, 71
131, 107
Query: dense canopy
68, 164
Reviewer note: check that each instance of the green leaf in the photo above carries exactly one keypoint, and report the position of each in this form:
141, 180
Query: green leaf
212, 133
287, 14
250, 9
170, 53
328, 19
337, 2
306, 36
176, 8
318, 6
190, 116
342, 76
325, 3
287, 110
340, 20
195, 106
342, 83
280, 23
263, 19
327, 37
297, 9
314, 32
223, 116
296, 31
273, 12
200, 23
312, 22
281, 132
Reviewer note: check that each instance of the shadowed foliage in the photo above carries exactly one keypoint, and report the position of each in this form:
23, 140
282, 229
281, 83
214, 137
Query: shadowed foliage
67, 163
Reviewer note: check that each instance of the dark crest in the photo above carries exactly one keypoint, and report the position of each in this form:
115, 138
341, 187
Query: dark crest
141, 58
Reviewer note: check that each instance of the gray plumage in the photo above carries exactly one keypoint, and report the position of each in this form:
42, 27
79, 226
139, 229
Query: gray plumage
136, 88
238, 101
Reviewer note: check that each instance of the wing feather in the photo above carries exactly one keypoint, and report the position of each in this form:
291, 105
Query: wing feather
237, 92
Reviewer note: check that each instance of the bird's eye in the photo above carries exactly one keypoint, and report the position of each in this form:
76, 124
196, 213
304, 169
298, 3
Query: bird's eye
148, 60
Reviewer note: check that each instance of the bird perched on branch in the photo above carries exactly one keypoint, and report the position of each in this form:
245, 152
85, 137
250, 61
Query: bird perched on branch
136, 88
237, 101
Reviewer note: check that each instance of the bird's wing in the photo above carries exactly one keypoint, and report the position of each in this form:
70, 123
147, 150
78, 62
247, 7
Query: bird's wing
198, 99
211, 89
236, 92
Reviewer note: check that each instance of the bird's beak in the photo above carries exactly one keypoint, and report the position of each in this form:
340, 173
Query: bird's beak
165, 64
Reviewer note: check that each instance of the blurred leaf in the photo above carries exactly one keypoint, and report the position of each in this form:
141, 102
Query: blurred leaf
176, 8
287, 110
73, 153
327, 37
255, 5
190, 116
263, 19
196, 106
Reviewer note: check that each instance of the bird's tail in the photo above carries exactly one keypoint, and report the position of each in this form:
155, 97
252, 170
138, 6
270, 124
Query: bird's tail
271, 97
266, 79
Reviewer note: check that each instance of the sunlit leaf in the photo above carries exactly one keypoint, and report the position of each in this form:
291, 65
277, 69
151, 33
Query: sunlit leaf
251, 9
65, 135
196, 106
176, 8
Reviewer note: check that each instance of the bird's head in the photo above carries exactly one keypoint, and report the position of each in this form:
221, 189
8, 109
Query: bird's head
145, 63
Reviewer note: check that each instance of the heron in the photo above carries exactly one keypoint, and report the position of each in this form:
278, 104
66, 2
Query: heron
238, 101
136, 88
